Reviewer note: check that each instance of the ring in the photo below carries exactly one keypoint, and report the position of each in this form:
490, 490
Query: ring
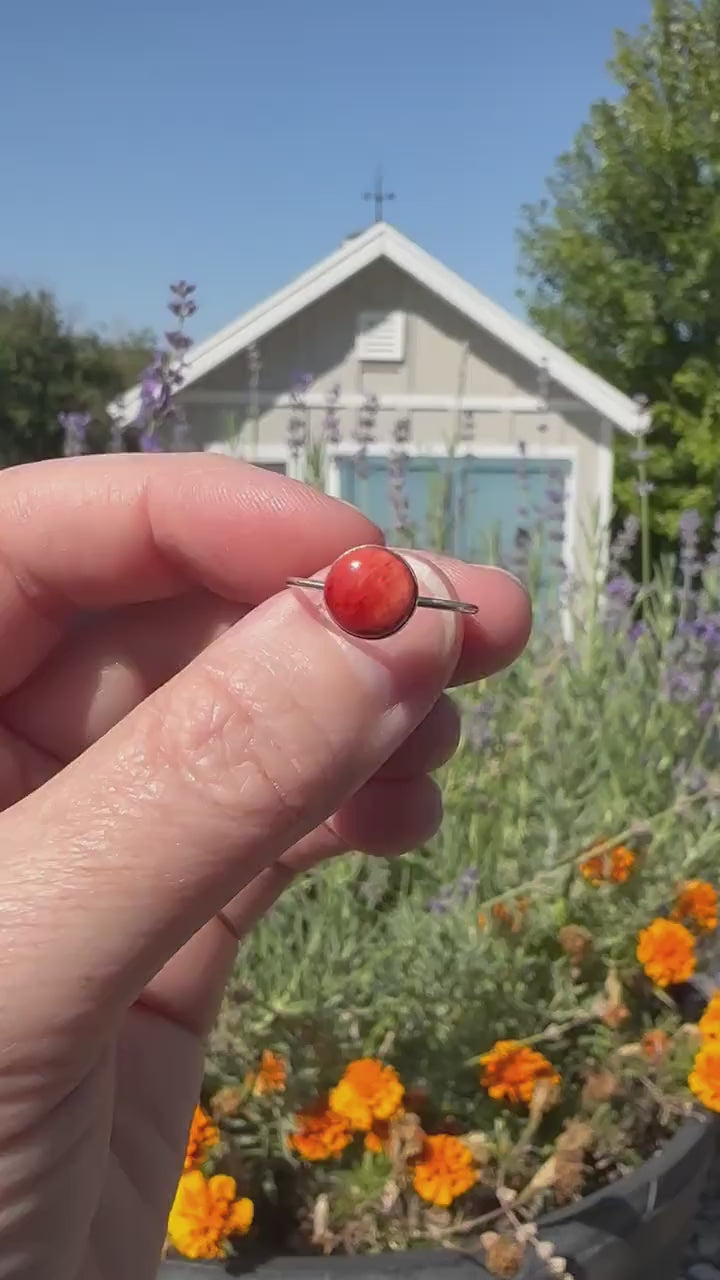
371, 592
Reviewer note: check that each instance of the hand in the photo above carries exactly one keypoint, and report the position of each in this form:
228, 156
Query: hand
179, 734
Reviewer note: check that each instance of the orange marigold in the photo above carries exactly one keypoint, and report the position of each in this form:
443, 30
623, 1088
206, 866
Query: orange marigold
444, 1170
205, 1214
696, 903
709, 1024
614, 866
377, 1138
655, 1044
320, 1133
510, 1071
368, 1091
666, 951
704, 1079
203, 1136
270, 1076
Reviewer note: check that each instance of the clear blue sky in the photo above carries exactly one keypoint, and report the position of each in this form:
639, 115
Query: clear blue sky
229, 141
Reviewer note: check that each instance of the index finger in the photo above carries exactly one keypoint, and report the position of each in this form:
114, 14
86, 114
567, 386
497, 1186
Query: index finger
99, 532
94, 533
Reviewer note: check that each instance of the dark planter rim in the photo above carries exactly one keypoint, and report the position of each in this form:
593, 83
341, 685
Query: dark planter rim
693, 1133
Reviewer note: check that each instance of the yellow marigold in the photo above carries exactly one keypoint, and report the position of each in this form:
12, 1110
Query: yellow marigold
203, 1136
205, 1214
271, 1075
655, 1044
368, 1091
444, 1170
666, 951
704, 1079
696, 903
510, 1071
709, 1024
320, 1133
614, 866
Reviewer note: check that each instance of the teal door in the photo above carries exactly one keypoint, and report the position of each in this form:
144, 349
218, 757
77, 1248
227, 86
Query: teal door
499, 510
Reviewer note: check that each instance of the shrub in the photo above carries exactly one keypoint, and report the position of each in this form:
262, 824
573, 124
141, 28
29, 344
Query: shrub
439, 1047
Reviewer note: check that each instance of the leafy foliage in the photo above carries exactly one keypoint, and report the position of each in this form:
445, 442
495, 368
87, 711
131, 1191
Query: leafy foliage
48, 368
623, 256
426, 963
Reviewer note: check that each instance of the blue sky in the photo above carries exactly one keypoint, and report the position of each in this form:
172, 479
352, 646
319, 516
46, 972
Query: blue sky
230, 141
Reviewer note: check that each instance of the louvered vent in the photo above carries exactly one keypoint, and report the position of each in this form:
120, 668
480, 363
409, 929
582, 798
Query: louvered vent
381, 336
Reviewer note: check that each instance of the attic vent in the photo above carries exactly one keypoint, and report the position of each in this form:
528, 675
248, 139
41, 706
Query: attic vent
381, 336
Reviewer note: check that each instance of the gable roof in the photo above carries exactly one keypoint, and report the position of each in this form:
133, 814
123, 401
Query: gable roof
384, 241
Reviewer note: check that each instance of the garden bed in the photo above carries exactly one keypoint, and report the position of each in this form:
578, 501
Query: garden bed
635, 1229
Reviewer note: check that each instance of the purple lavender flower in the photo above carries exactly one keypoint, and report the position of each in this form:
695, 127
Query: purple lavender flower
683, 685
75, 428
479, 724
624, 543
331, 421
402, 430
178, 340
621, 589
467, 426
149, 442
690, 524
364, 432
297, 428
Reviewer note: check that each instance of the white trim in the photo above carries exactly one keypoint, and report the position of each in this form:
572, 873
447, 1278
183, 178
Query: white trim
534, 452
384, 241
239, 447
388, 400
605, 473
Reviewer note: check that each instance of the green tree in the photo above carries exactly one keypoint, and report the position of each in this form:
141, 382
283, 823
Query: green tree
622, 258
47, 368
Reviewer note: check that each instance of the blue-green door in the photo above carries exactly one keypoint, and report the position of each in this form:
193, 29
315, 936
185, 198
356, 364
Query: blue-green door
501, 510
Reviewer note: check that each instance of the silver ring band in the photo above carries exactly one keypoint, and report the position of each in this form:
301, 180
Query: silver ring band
422, 602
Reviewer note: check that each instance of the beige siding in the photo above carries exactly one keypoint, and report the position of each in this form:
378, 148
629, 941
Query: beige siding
442, 348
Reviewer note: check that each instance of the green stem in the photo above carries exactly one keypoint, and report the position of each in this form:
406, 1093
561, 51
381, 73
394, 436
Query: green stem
605, 846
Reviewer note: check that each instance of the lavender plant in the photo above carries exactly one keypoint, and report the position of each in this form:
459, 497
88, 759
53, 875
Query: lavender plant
161, 423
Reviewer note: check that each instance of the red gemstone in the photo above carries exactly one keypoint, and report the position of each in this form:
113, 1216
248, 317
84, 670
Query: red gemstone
371, 592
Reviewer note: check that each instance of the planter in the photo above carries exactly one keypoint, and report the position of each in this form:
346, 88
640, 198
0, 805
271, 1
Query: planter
635, 1229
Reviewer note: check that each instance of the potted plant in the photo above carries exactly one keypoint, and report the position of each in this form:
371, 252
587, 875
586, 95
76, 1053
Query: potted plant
501, 1055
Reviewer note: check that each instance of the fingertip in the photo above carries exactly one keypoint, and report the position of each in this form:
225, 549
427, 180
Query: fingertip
497, 634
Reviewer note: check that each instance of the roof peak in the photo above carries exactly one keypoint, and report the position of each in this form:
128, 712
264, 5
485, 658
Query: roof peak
381, 239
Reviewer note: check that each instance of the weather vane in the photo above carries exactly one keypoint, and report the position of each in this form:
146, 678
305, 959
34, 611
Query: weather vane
379, 195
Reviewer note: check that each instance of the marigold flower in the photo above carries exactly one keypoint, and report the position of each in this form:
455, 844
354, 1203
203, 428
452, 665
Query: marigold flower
205, 1214
376, 1139
203, 1136
704, 1079
444, 1170
696, 903
511, 913
368, 1091
655, 1044
709, 1024
510, 1071
576, 941
666, 951
320, 1133
614, 866
270, 1076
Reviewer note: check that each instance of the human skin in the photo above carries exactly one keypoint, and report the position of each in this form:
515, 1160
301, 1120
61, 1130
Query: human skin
179, 735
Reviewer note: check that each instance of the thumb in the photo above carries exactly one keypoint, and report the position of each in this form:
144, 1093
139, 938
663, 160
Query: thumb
116, 862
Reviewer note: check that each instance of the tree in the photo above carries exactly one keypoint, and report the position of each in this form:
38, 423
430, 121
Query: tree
47, 368
622, 258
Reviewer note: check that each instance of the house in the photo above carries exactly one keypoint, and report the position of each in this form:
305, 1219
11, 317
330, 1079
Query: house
456, 406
